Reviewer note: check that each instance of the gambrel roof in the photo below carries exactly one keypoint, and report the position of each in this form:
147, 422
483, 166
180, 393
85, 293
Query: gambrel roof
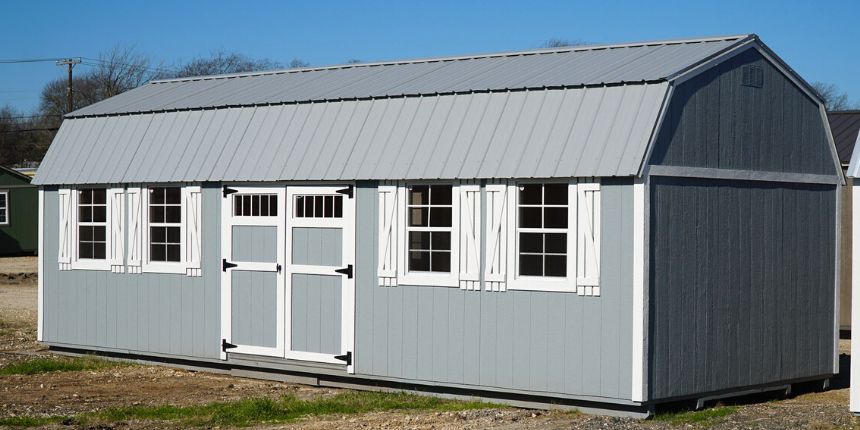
570, 112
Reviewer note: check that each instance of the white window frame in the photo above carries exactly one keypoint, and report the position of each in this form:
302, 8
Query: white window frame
437, 279
5, 207
90, 264
170, 267
541, 283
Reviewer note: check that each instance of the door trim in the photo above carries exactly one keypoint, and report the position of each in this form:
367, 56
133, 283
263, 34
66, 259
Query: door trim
347, 224
227, 223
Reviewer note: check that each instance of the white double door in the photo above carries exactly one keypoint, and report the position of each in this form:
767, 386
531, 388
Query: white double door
287, 280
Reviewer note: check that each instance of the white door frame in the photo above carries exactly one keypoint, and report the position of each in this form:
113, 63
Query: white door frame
228, 220
347, 224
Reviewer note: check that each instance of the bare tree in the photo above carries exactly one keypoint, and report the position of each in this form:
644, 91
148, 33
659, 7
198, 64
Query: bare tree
220, 62
297, 63
560, 43
22, 137
354, 61
833, 97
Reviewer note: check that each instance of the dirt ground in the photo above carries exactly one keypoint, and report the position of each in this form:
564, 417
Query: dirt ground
68, 393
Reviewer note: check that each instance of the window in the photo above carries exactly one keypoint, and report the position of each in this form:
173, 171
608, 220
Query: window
429, 228
92, 224
255, 205
165, 224
542, 230
4, 207
308, 206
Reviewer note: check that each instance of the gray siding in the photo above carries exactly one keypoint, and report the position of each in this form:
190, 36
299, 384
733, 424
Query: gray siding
532, 341
316, 313
254, 308
167, 314
254, 243
741, 284
317, 246
714, 121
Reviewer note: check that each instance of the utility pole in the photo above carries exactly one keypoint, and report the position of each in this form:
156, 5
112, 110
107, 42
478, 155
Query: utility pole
70, 62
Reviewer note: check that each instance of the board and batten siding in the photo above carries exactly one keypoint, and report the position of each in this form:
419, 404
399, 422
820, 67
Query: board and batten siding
538, 342
169, 314
742, 284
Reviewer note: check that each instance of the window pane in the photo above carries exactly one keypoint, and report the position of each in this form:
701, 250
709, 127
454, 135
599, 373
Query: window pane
85, 250
300, 206
99, 234
531, 265
419, 195
419, 240
419, 261
3, 215
555, 243
156, 214
318, 206
246, 205
530, 217
555, 265
530, 194
85, 214
440, 217
329, 207
173, 234
99, 196
99, 213
338, 207
531, 242
440, 195
273, 205
157, 234
237, 205
441, 262
86, 233
157, 252
555, 194
309, 206
441, 241
173, 195
156, 196
2, 199
264, 205
555, 217
99, 250
418, 217
86, 196
255, 205
174, 214
172, 253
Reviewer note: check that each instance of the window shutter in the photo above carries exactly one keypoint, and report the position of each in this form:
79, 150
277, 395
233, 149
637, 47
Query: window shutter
495, 271
116, 207
134, 230
470, 236
588, 239
389, 202
64, 256
193, 229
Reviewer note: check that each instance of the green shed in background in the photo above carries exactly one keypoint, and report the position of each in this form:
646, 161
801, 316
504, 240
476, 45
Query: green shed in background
19, 213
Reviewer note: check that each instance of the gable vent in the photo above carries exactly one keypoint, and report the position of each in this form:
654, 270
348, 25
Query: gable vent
753, 76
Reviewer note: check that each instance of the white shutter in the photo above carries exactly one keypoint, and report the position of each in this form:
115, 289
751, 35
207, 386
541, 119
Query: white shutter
193, 228
470, 236
134, 230
116, 208
588, 239
64, 256
495, 271
389, 202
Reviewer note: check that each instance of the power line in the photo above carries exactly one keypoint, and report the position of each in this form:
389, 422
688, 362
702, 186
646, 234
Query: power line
29, 60
29, 129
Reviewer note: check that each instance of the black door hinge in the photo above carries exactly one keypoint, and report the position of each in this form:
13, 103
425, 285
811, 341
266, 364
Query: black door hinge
346, 191
227, 191
346, 271
226, 265
226, 345
346, 357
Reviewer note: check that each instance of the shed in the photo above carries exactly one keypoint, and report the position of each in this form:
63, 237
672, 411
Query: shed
845, 126
19, 205
608, 227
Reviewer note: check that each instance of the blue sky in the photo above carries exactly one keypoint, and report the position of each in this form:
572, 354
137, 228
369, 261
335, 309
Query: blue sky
821, 40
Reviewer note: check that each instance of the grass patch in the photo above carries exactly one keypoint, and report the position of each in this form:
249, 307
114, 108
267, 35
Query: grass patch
289, 408
21, 422
704, 417
56, 364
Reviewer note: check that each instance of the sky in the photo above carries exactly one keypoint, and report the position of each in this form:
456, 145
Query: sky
820, 40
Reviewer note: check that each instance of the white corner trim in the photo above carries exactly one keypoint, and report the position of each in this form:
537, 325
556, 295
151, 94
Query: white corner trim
41, 262
855, 297
638, 311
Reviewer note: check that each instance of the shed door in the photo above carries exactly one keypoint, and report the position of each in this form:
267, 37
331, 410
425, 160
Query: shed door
320, 293
252, 275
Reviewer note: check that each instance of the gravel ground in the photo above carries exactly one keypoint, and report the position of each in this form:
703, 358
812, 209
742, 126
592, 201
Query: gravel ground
67, 393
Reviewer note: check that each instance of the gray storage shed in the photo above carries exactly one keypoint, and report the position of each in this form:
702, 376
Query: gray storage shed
606, 226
